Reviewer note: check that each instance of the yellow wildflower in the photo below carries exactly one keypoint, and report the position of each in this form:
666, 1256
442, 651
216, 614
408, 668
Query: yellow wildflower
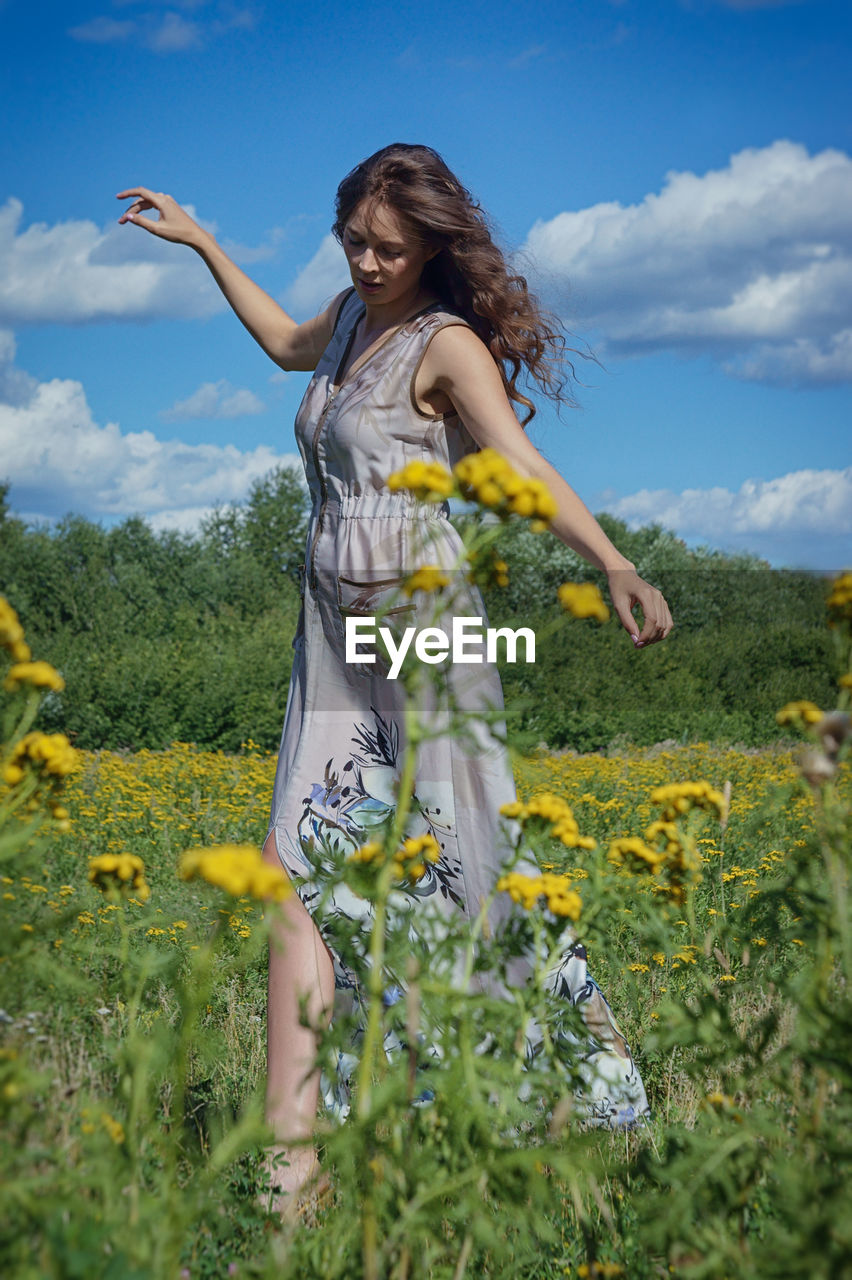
677, 859
802, 712
627, 849
239, 869
39, 674
369, 852
583, 600
113, 1127
12, 633
416, 851
839, 603
488, 478
560, 897
428, 578
556, 812
124, 871
678, 798
719, 1100
494, 573
667, 829
408, 861
51, 752
428, 481
426, 846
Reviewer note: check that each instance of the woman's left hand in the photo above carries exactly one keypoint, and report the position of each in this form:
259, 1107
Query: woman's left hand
627, 589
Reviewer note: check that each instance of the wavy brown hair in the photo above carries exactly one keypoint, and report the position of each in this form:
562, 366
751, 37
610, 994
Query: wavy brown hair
469, 272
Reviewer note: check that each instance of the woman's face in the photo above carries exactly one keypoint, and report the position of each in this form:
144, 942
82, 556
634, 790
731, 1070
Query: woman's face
385, 260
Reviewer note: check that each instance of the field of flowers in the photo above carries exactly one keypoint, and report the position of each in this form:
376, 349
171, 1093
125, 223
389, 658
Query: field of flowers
158, 804
710, 887
67, 999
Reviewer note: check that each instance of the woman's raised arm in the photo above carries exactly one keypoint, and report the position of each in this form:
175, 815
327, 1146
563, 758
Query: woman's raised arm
290, 345
459, 364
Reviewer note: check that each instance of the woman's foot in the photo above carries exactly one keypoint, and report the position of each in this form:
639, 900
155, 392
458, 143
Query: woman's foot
297, 1183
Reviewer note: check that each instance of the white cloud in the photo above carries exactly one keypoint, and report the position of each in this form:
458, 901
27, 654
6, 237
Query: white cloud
172, 34
74, 272
246, 254
803, 517
167, 32
184, 520
317, 283
102, 30
215, 400
59, 459
810, 501
799, 362
749, 262
528, 55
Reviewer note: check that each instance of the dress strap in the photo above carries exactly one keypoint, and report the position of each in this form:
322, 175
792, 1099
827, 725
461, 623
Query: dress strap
343, 301
350, 309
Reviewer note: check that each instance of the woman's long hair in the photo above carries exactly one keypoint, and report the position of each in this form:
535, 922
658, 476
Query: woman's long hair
469, 272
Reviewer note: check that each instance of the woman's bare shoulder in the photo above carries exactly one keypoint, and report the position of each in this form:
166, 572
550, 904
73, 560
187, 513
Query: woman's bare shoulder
451, 349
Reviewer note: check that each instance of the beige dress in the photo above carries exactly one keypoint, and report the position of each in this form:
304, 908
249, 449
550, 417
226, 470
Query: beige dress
343, 737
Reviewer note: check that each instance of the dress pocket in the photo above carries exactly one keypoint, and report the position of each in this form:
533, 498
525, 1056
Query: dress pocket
365, 595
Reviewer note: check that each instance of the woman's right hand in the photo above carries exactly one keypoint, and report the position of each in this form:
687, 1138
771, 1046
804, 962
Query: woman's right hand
174, 222
290, 345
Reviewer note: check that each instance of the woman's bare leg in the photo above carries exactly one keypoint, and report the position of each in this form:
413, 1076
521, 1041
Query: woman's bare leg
299, 964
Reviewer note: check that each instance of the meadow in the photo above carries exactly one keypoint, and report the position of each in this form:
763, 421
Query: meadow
69, 952
709, 884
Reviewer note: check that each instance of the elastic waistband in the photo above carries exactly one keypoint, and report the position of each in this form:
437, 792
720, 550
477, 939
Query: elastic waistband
372, 506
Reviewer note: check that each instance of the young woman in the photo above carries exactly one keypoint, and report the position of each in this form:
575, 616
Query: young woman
419, 360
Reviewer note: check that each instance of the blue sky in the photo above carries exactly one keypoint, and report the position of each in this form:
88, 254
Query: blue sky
674, 175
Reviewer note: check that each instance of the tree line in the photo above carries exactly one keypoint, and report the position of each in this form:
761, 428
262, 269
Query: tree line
165, 636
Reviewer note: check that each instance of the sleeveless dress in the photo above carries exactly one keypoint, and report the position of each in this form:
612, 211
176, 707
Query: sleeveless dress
343, 736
